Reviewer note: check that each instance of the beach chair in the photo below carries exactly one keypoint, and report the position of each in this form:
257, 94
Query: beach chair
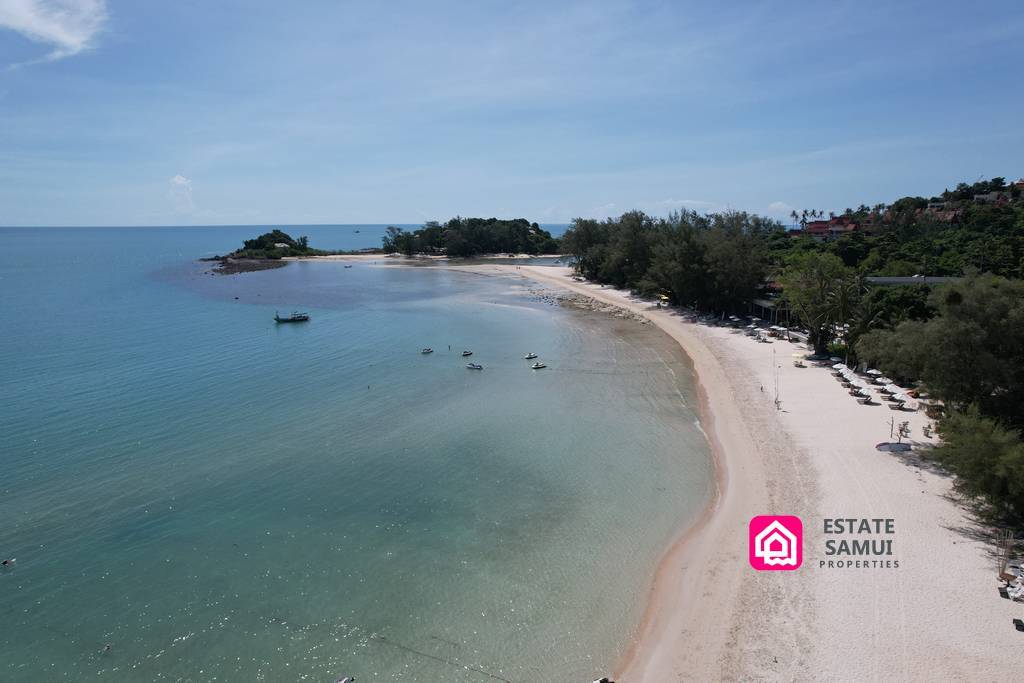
799, 364
1007, 577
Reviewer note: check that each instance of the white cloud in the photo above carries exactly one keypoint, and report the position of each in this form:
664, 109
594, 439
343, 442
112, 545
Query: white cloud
180, 193
603, 211
68, 26
779, 209
684, 204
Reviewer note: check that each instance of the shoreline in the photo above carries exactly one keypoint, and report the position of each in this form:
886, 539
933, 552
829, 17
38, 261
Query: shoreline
709, 616
669, 605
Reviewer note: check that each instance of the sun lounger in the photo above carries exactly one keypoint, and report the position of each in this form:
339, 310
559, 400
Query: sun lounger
865, 401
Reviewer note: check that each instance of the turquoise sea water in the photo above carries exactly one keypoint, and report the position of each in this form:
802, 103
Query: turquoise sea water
220, 498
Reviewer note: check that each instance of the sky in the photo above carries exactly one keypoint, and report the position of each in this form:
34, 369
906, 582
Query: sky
198, 113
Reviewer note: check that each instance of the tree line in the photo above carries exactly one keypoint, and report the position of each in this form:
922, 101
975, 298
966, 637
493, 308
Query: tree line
462, 237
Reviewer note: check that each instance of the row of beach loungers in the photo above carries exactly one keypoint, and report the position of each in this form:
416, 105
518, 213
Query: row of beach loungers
862, 386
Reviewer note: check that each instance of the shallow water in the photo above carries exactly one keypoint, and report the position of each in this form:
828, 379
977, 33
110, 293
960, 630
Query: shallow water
221, 498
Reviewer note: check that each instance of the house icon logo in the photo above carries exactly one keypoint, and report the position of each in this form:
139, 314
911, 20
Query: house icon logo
776, 543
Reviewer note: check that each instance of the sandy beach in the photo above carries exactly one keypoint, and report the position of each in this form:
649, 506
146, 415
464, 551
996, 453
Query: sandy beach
938, 616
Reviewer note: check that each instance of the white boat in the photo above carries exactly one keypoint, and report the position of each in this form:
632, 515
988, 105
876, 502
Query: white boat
474, 366
530, 356
427, 350
467, 353
537, 366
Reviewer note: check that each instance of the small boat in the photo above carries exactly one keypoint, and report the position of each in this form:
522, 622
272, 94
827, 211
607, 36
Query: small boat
467, 353
357, 232
427, 350
537, 366
348, 266
474, 366
530, 356
295, 317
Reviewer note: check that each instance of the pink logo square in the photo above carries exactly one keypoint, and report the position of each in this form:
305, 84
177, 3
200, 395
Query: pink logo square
776, 543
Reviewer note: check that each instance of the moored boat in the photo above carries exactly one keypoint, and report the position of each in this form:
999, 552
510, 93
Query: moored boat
537, 366
530, 356
427, 350
474, 366
467, 353
295, 317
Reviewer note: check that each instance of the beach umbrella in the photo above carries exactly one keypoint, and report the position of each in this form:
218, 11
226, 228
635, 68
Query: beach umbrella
872, 371
839, 366
893, 389
883, 380
836, 359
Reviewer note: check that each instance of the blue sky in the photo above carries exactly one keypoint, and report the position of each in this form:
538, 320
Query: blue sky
166, 113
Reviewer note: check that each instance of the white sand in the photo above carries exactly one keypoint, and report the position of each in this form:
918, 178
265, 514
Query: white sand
937, 617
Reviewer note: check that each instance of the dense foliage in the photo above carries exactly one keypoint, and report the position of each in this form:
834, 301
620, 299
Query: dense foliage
471, 236
715, 261
275, 244
971, 356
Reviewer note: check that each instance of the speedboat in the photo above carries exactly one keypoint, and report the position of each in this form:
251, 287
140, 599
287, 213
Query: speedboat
537, 366
295, 317
427, 350
467, 353
474, 366
530, 356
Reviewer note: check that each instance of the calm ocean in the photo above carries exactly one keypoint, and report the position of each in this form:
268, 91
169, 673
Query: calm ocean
221, 498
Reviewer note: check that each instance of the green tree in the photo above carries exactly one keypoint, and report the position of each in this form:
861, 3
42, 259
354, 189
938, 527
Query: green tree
818, 288
987, 459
